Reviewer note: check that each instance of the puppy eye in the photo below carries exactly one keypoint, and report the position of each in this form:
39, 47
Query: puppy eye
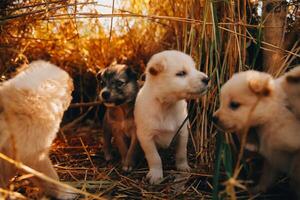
102, 82
234, 105
120, 83
181, 73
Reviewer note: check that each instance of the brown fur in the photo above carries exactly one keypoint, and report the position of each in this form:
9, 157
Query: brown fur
118, 121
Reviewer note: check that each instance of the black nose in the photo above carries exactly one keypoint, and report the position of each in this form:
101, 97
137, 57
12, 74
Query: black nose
105, 95
205, 80
215, 119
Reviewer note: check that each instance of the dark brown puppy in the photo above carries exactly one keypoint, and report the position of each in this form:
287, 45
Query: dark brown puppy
118, 90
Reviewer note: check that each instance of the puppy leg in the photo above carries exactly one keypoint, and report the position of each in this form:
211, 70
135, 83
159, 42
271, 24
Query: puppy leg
122, 146
107, 135
43, 164
268, 177
181, 150
155, 173
7, 171
128, 164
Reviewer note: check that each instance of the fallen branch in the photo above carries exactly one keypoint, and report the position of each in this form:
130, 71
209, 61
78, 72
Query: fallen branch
87, 104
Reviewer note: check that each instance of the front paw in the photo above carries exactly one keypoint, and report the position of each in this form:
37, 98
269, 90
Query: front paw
108, 156
155, 176
66, 194
184, 166
127, 167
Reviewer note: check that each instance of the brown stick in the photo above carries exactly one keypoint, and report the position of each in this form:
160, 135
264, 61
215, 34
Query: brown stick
87, 104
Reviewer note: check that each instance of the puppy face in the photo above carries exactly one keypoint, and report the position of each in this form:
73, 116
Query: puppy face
245, 100
118, 85
174, 74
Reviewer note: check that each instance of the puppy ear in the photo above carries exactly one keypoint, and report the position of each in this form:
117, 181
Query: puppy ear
260, 85
131, 72
156, 67
293, 76
143, 77
293, 79
113, 63
99, 74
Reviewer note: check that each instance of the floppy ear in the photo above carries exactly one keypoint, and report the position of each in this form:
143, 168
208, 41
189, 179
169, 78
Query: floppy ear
99, 74
100, 78
293, 76
261, 85
114, 62
156, 67
293, 79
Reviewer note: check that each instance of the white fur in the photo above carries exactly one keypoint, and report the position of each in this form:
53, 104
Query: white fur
263, 104
32, 104
292, 89
160, 108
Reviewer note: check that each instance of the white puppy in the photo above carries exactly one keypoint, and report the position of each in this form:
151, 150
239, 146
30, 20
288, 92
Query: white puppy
160, 107
32, 105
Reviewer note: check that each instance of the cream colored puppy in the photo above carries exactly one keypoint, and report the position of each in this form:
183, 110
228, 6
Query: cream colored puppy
291, 85
255, 99
160, 107
32, 105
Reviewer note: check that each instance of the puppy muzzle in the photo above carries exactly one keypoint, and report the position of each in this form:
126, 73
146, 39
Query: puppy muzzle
111, 102
215, 119
220, 125
105, 95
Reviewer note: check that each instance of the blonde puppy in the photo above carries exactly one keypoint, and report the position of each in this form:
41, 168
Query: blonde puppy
32, 105
291, 85
255, 99
160, 107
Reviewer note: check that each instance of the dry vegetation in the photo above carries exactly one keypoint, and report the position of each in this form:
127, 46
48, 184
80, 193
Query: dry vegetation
222, 36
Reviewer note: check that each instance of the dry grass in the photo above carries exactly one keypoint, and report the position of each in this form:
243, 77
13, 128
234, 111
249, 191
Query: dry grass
223, 37
80, 164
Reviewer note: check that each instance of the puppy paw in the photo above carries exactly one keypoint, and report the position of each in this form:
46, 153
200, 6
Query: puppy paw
184, 166
67, 196
155, 176
127, 168
64, 195
108, 156
127, 165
